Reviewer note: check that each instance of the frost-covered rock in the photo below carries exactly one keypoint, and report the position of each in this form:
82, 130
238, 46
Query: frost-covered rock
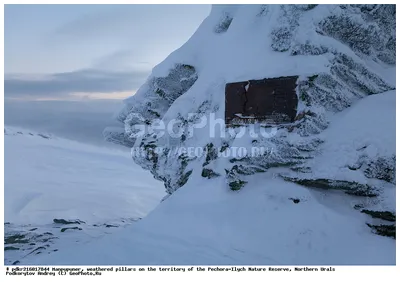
382, 168
151, 102
338, 52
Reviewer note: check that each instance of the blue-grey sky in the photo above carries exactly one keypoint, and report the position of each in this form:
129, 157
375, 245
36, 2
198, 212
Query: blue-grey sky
66, 66
75, 52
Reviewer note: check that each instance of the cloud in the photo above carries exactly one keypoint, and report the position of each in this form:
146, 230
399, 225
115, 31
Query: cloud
125, 24
83, 121
63, 85
122, 60
110, 23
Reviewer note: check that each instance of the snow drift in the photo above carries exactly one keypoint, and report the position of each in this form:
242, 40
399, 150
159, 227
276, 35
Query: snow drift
57, 190
48, 177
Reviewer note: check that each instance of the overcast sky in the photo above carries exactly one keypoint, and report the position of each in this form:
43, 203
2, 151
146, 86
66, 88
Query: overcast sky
90, 51
92, 54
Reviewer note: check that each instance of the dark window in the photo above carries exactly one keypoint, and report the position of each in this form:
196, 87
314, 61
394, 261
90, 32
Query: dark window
270, 100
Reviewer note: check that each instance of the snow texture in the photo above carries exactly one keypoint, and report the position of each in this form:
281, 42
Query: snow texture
97, 190
48, 177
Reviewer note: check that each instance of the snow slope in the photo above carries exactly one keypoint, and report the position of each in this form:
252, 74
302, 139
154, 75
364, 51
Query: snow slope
49, 178
58, 178
270, 222
369, 125
261, 226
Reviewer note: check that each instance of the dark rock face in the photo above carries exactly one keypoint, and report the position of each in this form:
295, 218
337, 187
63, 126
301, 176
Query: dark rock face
384, 230
272, 100
224, 24
382, 168
351, 188
385, 215
209, 173
63, 221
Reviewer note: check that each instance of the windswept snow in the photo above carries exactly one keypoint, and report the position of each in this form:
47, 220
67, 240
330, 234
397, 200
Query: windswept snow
49, 178
368, 128
204, 224
57, 178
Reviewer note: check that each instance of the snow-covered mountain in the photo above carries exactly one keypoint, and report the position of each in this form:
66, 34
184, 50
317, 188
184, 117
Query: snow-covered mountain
270, 221
341, 53
324, 190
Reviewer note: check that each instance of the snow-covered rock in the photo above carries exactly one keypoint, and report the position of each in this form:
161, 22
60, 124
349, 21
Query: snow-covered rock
271, 221
339, 152
335, 50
